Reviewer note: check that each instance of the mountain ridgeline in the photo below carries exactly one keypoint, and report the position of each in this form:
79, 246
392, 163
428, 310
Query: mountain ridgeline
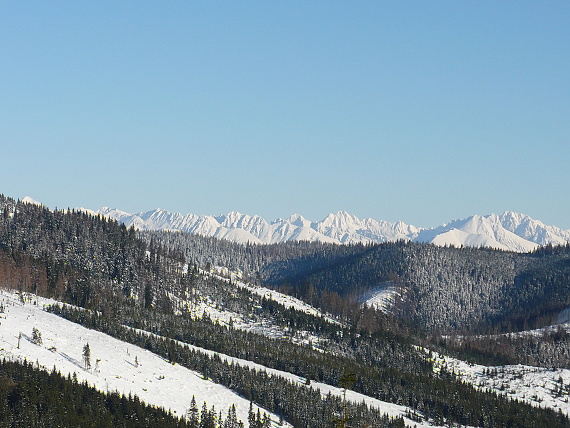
151, 280
508, 231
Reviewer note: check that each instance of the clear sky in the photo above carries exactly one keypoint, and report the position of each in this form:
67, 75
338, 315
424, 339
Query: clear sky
420, 111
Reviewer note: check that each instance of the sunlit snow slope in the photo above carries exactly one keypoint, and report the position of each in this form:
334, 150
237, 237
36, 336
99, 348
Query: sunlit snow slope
535, 385
115, 365
128, 369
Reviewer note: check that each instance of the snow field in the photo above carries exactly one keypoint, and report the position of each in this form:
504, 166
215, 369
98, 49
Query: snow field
382, 297
535, 385
115, 365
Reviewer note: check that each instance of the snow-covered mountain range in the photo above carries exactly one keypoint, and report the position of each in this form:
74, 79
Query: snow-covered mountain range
508, 231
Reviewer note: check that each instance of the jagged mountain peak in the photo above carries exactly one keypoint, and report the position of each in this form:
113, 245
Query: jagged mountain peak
232, 215
343, 215
297, 220
113, 213
341, 219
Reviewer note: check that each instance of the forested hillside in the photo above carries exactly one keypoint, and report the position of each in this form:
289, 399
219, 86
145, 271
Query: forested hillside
443, 289
440, 290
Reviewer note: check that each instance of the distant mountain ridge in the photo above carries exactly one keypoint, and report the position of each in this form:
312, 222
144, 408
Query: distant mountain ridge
509, 231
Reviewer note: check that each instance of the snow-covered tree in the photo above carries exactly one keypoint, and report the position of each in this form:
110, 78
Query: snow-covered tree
36, 336
87, 356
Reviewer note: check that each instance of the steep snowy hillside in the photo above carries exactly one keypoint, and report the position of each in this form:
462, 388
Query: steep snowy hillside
535, 385
115, 365
128, 369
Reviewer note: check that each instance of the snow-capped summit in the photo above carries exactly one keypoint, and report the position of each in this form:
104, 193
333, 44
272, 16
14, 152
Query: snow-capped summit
533, 230
477, 231
508, 231
341, 220
28, 200
297, 220
112, 213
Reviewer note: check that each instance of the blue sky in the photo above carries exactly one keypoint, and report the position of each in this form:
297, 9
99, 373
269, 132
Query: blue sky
415, 111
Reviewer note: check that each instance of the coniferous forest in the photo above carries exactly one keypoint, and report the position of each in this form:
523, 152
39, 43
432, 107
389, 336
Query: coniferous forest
140, 287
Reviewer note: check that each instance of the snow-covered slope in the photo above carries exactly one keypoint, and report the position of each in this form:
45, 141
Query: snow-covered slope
508, 231
482, 231
116, 365
128, 369
535, 385
382, 297
234, 280
202, 304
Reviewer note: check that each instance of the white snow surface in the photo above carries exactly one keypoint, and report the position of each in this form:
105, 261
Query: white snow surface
564, 317
154, 380
508, 231
381, 297
562, 322
28, 200
534, 385
126, 368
